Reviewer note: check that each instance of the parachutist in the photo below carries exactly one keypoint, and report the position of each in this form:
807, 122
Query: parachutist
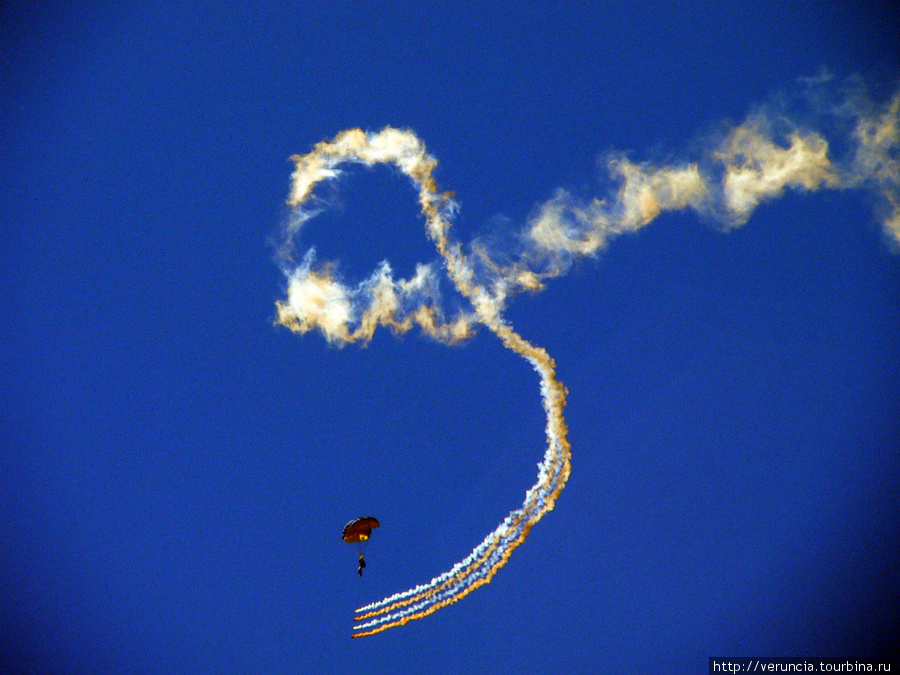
358, 531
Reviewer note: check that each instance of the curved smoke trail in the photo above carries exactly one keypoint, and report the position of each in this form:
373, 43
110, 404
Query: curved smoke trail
317, 300
750, 163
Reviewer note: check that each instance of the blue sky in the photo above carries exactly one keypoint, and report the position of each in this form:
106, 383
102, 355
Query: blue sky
176, 469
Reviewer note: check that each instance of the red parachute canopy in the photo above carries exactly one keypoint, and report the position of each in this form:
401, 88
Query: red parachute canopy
360, 529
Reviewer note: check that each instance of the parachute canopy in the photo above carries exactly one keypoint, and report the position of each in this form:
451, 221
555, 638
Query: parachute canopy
360, 529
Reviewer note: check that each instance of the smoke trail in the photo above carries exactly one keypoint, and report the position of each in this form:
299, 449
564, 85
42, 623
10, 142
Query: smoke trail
316, 299
749, 164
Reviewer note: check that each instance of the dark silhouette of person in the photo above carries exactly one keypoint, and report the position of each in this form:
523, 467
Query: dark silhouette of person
362, 564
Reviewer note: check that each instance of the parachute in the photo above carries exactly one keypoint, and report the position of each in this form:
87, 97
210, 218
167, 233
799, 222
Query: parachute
360, 529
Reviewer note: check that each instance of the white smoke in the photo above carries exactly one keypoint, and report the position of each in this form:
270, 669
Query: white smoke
751, 163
